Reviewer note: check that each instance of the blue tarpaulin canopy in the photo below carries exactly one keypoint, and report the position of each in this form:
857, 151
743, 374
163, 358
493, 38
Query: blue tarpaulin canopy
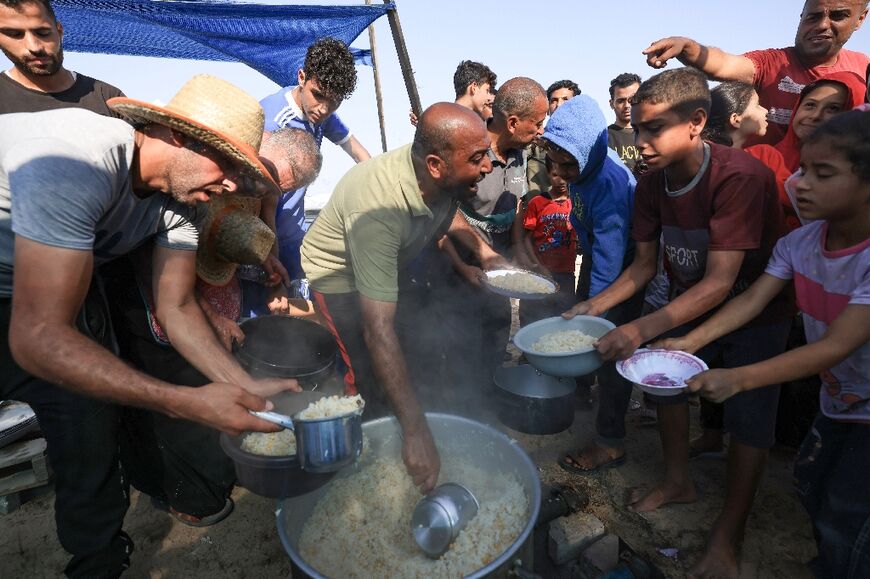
271, 39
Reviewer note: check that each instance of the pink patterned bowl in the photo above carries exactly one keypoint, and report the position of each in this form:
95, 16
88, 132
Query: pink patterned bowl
660, 372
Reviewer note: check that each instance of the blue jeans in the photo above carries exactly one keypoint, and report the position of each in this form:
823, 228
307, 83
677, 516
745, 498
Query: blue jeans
832, 472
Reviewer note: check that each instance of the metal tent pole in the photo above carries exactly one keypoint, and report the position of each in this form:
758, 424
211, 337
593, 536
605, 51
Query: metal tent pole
379, 97
404, 60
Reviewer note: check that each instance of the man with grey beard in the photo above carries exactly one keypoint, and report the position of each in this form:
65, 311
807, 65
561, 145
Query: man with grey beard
518, 114
32, 39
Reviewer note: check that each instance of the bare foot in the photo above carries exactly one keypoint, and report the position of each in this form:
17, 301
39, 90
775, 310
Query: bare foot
709, 441
666, 492
593, 456
719, 562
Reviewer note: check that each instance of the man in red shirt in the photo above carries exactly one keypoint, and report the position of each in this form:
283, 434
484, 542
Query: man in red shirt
779, 74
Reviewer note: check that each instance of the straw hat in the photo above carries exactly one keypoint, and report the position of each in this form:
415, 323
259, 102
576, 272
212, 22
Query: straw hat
212, 111
232, 234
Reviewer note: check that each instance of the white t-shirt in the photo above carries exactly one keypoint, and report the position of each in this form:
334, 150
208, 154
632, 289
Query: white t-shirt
65, 181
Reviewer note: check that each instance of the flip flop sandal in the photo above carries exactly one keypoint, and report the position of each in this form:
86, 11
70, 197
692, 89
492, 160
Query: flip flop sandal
195, 521
575, 469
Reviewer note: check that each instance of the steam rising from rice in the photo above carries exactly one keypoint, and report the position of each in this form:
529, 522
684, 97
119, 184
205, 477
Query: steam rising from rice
521, 282
563, 342
361, 528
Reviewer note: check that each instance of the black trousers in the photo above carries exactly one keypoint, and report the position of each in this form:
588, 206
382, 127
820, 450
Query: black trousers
97, 449
176, 461
91, 488
441, 335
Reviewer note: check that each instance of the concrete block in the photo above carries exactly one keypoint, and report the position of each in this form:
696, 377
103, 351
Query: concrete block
603, 555
570, 535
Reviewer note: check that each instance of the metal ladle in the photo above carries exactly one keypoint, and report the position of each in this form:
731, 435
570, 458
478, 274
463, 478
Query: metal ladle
441, 515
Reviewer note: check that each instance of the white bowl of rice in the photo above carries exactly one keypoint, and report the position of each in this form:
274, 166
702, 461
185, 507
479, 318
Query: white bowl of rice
561, 347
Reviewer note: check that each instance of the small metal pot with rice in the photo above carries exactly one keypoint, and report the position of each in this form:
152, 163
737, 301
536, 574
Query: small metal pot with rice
280, 474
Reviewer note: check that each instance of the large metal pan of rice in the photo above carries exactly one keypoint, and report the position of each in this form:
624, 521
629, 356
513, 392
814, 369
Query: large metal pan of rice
357, 525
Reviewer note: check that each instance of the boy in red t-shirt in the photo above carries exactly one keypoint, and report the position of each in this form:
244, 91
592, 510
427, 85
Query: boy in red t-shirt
717, 212
551, 241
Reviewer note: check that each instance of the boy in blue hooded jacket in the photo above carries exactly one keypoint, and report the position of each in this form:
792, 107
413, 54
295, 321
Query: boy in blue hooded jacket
602, 196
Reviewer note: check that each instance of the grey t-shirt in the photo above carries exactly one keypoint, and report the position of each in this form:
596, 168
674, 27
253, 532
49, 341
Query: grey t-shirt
65, 181
497, 194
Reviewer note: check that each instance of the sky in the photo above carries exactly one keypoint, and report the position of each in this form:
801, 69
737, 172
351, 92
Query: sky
589, 42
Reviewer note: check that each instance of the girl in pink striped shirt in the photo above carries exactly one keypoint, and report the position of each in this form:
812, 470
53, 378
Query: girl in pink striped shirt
829, 261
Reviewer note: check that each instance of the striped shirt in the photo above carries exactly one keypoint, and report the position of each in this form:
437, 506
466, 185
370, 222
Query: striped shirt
282, 111
825, 283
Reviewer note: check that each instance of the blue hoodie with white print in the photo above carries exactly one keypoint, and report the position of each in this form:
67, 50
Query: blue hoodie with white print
603, 195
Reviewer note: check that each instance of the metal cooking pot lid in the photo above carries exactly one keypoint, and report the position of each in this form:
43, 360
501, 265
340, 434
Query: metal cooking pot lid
285, 342
525, 380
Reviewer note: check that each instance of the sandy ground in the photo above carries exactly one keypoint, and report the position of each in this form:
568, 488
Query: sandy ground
246, 544
778, 536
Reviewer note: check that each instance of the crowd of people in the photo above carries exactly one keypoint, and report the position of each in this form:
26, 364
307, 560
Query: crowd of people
714, 221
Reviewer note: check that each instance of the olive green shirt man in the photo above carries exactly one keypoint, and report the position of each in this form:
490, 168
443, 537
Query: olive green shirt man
374, 223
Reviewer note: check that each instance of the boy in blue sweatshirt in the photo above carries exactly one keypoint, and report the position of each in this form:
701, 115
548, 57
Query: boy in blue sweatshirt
602, 197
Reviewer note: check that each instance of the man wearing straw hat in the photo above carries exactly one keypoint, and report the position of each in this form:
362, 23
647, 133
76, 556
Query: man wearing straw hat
83, 190
184, 469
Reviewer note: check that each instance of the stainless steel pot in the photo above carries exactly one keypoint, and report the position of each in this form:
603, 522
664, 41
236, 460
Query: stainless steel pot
277, 476
329, 444
533, 402
322, 444
482, 445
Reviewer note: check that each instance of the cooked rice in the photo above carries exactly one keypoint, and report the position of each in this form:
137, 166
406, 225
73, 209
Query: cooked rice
521, 282
564, 341
281, 443
331, 406
361, 527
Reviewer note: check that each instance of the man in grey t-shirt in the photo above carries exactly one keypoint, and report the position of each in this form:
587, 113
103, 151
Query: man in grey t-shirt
519, 110
77, 190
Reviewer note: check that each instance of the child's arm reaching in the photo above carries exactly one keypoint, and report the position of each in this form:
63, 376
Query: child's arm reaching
528, 245
722, 270
735, 314
524, 252
847, 333
632, 280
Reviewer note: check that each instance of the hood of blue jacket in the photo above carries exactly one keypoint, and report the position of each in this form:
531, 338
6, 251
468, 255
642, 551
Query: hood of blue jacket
578, 126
